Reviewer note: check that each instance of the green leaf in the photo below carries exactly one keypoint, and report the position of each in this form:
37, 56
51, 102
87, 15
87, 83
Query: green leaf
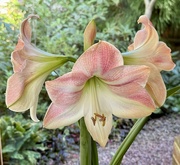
32, 156
19, 127
117, 158
16, 155
172, 91
176, 150
40, 147
8, 148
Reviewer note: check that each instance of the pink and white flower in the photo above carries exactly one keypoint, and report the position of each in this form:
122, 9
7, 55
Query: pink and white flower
98, 86
31, 66
148, 50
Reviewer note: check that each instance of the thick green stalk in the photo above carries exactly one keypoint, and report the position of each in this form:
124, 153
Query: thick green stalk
128, 141
88, 149
85, 144
94, 153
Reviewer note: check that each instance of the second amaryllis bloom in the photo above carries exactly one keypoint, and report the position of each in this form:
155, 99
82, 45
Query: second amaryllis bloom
148, 50
31, 67
98, 87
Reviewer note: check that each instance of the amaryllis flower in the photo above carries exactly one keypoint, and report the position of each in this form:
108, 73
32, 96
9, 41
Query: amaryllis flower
98, 86
148, 50
31, 67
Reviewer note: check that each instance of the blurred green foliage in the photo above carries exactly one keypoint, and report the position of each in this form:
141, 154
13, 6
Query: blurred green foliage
21, 140
60, 30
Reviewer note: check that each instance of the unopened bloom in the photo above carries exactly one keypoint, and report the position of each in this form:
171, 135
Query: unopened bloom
98, 86
31, 66
148, 50
89, 34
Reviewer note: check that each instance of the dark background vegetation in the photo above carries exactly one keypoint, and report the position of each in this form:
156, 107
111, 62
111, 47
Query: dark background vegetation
60, 30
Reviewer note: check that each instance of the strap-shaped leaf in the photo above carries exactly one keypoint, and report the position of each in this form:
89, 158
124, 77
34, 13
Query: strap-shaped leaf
176, 151
172, 91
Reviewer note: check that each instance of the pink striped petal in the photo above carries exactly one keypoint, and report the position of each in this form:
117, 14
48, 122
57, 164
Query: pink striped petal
25, 33
24, 47
129, 82
127, 74
59, 115
68, 104
98, 59
67, 89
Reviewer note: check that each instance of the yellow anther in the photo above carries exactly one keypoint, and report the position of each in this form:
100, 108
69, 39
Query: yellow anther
98, 115
102, 118
93, 120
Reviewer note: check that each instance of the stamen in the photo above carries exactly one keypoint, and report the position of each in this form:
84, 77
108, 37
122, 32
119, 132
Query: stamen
98, 115
102, 118
93, 120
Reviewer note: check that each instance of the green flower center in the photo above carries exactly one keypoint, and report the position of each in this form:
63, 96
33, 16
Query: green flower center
94, 86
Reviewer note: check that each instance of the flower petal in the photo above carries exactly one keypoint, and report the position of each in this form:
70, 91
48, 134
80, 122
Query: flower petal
146, 37
128, 97
162, 57
97, 115
65, 89
59, 115
156, 87
21, 97
99, 132
127, 74
25, 33
98, 59
65, 93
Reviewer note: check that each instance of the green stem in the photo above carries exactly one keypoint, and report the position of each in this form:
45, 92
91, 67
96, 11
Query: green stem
128, 141
72, 59
94, 153
85, 144
88, 149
